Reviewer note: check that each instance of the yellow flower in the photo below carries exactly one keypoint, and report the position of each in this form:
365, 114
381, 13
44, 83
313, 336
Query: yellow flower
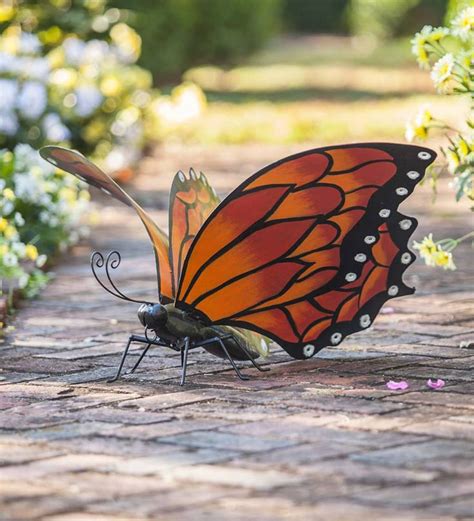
443, 259
418, 129
453, 160
423, 117
436, 34
9, 194
31, 252
466, 59
462, 147
3, 249
127, 40
3, 224
420, 43
463, 24
412, 132
442, 72
418, 49
111, 86
7, 11
10, 232
433, 254
427, 247
68, 195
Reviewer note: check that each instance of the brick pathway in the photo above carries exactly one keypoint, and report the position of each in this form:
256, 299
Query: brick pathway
321, 439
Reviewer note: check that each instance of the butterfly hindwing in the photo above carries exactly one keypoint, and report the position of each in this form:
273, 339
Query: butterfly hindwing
307, 250
76, 164
192, 200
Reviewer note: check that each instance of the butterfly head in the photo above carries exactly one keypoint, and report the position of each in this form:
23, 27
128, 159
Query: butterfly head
153, 316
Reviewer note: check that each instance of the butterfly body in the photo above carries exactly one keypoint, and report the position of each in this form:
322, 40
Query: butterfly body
305, 252
173, 325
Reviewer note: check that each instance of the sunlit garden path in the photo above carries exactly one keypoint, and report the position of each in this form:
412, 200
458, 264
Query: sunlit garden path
320, 439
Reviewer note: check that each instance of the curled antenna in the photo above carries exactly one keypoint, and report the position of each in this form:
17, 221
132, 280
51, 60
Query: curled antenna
112, 261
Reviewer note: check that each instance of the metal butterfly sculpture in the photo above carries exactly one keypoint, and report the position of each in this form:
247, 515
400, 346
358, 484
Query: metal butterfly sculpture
304, 252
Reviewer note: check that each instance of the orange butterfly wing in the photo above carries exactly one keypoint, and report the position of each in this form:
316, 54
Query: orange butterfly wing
76, 164
307, 250
192, 200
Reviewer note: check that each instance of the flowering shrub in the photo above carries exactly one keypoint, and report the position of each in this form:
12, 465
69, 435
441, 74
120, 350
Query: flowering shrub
86, 94
449, 53
40, 214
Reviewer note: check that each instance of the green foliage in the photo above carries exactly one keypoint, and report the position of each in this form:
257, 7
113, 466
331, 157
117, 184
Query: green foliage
389, 18
177, 34
40, 214
54, 19
449, 53
309, 16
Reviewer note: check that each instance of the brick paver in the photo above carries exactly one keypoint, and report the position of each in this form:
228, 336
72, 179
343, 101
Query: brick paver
320, 439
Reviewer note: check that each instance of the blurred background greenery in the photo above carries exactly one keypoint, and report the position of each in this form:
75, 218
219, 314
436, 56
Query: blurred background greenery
112, 78
271, 70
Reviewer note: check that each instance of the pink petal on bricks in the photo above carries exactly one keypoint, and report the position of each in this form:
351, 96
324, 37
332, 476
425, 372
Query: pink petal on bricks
435, 384
397, 386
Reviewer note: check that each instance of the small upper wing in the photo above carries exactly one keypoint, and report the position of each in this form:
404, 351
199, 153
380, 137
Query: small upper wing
192, 200
76, 164
308, 249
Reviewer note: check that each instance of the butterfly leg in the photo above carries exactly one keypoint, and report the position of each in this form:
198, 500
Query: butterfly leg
247, 354
219, 340
184, 359
122, 361
144, 352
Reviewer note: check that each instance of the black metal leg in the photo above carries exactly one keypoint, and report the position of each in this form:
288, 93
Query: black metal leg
144, 352
248, 355
184, 360
219, 340
125, 352
236, 369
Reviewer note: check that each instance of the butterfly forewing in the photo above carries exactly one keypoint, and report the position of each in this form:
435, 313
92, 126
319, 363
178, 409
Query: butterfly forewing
308, 249
76, 164
192, 200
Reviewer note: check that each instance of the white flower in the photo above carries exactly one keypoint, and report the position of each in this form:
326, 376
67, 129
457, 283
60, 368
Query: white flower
19, 249
26, 158
7, 62
6, 207
73, 50
9, 90
88, 99
18, 218
96, 51
54, 128
10, 260
41, 260
442, 72
8, 123
463, 24
37, 68
29, 43
26, 187
32, 100
23, 280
